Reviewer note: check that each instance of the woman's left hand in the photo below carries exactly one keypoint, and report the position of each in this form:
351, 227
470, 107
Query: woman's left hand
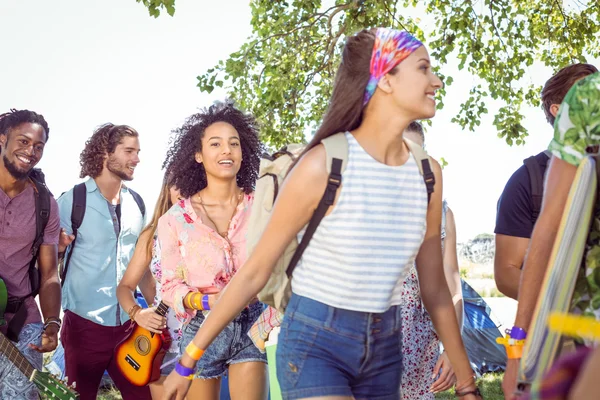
447, 378
175, 387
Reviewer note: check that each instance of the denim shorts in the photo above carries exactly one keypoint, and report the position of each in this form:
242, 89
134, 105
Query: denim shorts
232, 346
327, 351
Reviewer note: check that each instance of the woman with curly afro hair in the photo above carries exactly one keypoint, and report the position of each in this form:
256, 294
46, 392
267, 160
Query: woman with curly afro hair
213, 161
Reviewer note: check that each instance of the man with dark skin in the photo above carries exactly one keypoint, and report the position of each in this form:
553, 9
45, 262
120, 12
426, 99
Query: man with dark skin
23, 136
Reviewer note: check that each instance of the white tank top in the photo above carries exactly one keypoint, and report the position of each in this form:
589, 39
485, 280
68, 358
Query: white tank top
360, 254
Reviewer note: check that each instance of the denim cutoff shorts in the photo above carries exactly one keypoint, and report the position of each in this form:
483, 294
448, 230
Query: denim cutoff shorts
327, 351
232, 346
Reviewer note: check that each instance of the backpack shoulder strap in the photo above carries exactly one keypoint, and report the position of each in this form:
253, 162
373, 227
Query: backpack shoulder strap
77, 215
424, 165
78, 208
140, 202
336, 146
537, 185
42, 214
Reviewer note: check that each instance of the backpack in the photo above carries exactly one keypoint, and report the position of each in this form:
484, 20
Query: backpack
77, 214
536, 177
42, 215
273, 169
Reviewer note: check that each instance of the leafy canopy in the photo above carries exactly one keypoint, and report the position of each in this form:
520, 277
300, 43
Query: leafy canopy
284, 72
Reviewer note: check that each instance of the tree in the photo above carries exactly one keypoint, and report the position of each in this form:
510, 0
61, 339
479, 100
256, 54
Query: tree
284, 72
155, 6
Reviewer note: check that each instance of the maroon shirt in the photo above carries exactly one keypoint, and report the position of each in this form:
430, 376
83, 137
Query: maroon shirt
17, 233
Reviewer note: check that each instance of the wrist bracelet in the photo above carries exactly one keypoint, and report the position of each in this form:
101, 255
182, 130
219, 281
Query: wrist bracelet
194, 351
475, 392
184, 371
205, 305
53, 319
518, 333
459, 386
47, 324
186, 301
197, 301
133, 311
514, 347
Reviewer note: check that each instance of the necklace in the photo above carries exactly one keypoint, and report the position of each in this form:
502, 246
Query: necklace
226, 233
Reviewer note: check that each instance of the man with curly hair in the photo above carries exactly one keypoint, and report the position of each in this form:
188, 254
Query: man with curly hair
23, 136
101, 249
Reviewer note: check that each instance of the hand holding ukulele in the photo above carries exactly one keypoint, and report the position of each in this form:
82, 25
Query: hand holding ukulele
147, 318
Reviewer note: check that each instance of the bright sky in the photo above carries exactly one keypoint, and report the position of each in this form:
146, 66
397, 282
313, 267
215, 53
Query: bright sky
82, 63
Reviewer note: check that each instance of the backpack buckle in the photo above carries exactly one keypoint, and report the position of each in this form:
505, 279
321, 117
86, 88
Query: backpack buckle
44, 213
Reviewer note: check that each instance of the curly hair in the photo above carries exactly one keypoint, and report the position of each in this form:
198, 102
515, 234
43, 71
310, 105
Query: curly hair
180, 163
14, 118
103, 142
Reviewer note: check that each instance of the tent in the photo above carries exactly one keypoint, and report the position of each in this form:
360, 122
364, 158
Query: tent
480, 330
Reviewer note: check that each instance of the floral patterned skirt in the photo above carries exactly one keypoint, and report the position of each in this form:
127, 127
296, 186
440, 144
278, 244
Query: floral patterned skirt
420, 344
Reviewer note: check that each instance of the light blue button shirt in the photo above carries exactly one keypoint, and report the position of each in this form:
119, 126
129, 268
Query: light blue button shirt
100, 257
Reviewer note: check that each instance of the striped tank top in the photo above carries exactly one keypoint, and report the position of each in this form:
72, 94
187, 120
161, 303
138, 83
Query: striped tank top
361, 253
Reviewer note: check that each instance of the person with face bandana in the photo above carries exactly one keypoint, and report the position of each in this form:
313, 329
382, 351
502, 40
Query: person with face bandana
341, 334
94, 323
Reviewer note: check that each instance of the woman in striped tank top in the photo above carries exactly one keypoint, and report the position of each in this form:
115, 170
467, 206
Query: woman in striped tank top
341, 334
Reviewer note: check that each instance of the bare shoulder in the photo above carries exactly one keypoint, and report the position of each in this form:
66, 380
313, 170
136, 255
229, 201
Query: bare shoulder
312, 164
311, 168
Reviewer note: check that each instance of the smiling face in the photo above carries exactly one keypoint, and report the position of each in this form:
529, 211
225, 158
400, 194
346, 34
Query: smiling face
125, 158
22, 148
413, 85
221, 151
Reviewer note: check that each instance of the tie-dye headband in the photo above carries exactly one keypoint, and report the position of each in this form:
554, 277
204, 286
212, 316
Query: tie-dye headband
390, 48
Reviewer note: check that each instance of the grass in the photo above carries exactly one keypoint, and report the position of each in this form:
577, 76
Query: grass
489, 385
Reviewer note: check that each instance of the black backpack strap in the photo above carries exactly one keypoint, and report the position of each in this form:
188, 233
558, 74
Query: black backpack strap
333, 183
77, 214
42, 215
140, 202
428, 177
537, 185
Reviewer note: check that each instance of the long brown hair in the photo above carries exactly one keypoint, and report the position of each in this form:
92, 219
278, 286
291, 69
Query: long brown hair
345, 110
163, 204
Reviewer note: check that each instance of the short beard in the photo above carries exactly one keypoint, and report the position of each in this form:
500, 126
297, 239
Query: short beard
14, 171
114, 167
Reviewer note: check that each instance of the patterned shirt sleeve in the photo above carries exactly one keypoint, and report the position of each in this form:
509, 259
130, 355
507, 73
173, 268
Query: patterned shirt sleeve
174, 271
577, 125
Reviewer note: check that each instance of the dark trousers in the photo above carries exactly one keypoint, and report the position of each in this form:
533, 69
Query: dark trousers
89, 351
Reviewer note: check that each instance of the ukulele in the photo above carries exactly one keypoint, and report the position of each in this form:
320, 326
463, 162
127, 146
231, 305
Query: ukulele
140, 355
48, 386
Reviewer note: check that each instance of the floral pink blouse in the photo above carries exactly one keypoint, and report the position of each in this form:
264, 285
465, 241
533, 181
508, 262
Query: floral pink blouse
196, 258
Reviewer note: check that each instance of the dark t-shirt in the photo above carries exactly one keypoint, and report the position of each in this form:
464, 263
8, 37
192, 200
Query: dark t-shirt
515, 206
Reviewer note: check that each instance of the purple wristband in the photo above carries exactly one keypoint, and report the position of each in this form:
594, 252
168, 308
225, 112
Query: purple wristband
183, 371
205, 305
518, 333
